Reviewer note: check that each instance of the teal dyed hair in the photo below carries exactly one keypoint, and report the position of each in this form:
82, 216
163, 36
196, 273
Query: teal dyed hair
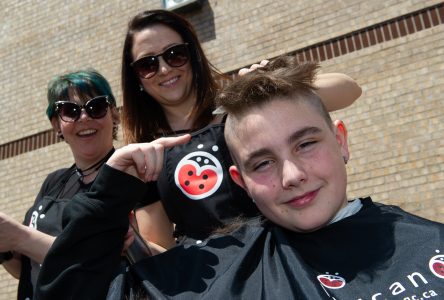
85, 83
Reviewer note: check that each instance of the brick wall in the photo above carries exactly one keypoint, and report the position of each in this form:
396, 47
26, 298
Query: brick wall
396, 128
393, 48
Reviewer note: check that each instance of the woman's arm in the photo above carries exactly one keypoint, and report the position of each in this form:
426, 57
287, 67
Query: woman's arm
24, 240
154, 225
145, 162
13, 266
337, 90
86, 255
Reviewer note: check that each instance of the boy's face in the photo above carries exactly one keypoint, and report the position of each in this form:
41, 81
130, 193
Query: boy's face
291, 163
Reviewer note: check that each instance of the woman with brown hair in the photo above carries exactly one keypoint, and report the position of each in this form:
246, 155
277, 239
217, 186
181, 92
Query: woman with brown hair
169, 88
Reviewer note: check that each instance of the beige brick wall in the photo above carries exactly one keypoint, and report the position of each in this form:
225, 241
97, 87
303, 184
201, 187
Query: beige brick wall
246, 31
396, 128
40, 39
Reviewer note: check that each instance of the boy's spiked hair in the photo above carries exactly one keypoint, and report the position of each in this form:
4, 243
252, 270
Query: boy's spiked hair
284, 77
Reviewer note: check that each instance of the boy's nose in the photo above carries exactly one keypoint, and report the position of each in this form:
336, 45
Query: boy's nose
293, 174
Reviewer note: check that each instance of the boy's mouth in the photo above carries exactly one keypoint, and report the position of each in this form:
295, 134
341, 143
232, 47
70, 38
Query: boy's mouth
303, 200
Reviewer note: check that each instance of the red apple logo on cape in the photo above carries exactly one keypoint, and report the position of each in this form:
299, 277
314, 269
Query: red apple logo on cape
331, 281
198, 175
436, 265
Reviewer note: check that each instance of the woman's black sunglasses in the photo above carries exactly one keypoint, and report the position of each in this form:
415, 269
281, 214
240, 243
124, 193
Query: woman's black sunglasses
175, 56
69, 111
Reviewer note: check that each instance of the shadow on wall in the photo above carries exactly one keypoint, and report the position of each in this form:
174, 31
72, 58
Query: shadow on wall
202, 20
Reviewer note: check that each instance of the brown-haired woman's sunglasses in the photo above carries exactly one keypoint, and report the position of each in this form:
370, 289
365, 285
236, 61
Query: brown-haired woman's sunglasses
175, 56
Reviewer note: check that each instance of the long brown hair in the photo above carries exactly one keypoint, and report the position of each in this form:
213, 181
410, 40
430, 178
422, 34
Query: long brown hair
142, 116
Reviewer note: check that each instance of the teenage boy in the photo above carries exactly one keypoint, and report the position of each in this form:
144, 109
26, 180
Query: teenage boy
290, 157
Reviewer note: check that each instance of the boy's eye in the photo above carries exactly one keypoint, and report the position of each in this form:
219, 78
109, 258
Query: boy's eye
306, 145
262, 165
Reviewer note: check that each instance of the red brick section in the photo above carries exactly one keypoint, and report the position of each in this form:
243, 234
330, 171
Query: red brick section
29, 143
341, 45
378, 33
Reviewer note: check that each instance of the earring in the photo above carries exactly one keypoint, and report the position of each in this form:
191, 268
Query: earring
254, 201
60, 135
345, 160
141, 88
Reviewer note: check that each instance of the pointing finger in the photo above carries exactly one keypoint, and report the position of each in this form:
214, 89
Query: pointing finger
169, 142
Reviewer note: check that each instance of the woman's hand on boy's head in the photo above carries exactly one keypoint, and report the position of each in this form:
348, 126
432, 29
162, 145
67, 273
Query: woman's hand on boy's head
244, 71
144, 160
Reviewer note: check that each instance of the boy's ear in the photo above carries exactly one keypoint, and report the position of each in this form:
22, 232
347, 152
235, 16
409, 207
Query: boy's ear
341, 138
237, 177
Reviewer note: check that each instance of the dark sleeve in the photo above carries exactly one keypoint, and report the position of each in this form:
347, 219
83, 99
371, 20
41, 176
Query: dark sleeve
151, 195
84, 257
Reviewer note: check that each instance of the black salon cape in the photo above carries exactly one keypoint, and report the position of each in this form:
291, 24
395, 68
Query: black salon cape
380, 252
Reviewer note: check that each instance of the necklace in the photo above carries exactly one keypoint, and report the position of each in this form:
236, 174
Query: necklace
83, 173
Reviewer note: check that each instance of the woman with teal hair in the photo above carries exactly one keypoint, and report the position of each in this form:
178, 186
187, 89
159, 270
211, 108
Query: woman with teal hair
82, 110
